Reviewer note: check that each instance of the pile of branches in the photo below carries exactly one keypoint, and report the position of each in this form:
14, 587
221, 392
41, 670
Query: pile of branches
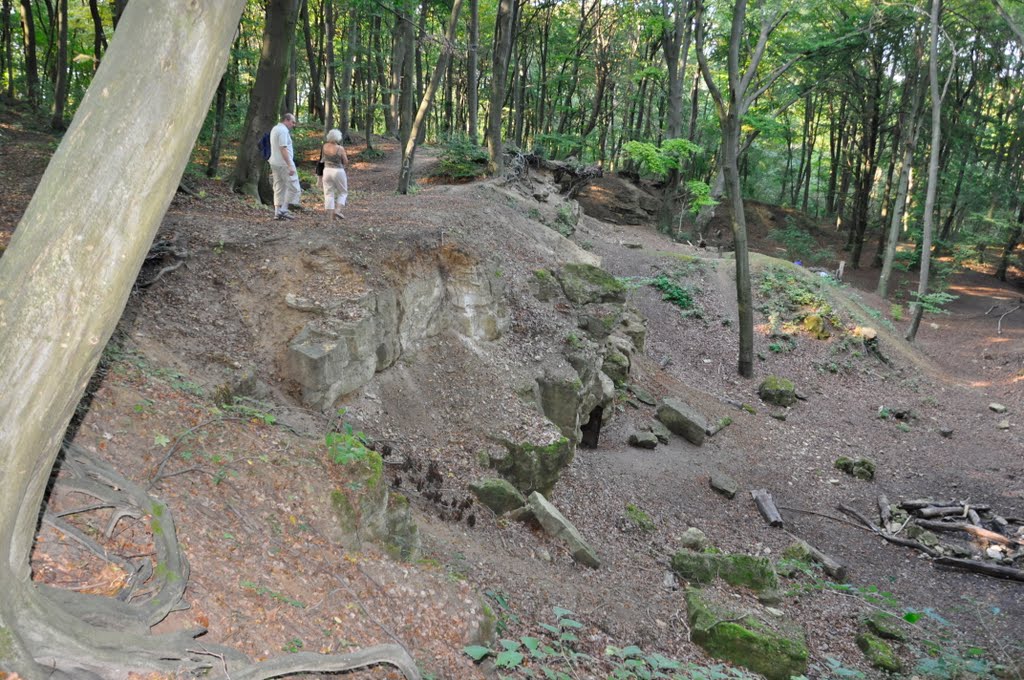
956, 534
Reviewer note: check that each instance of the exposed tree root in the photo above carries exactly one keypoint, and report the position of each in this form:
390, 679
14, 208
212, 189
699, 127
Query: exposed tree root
72, 635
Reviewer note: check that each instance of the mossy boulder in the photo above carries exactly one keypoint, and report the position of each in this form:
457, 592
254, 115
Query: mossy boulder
775, 648
361, 504
531, 467
544, 286
879, 653
498, 494
861, 469
816, 327
616, 367
701, 568
886, 626
777, 391
403, 535
584, 284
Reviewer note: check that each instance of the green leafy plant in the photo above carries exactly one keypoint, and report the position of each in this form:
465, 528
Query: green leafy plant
461, 159
933, 303
639, 518
673, 292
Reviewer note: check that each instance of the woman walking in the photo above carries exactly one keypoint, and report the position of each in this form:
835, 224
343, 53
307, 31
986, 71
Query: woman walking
335, 179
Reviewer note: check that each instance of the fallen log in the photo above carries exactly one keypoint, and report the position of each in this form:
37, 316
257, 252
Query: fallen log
986, 568
943, 511
978, 532
831, 567
883, 510
766, 506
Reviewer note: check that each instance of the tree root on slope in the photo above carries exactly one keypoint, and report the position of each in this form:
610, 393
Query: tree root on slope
74, 635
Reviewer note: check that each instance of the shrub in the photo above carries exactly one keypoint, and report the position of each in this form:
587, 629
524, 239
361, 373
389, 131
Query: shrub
461, 159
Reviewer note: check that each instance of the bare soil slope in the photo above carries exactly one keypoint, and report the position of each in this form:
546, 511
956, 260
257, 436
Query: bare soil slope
251, 492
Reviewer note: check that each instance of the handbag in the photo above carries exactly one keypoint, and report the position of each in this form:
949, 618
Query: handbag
320, 164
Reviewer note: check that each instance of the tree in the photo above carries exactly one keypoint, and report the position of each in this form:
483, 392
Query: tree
64, 281
60, 85
265, 97
731, 107
499, 73
409, 150
933, 169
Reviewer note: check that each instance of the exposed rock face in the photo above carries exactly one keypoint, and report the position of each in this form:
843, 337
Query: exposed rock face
530, 467
681, 419
559, 527
584, 284
337, 354
614, 199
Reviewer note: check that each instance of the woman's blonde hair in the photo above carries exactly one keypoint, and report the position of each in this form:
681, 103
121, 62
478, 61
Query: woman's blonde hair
334, 136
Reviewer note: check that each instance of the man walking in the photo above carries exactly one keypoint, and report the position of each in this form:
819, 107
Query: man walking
287, 190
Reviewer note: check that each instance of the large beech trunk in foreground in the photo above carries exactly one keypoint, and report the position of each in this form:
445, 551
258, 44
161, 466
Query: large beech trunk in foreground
66, 276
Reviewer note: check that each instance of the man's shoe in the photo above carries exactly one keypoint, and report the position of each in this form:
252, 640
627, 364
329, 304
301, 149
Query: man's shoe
285, 216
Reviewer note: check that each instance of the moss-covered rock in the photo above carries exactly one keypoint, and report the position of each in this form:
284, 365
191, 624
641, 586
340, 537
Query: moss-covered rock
531, 467
701, 568
616, 367
861, 468
584, 284
886, 626
403, 536
879, 653
544, 286
775, 648
498, 495
816, 327
777, 391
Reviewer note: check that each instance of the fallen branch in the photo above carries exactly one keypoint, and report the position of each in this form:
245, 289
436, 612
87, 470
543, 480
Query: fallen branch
978, 532
310, 662
907, 543
978, 567
999, 326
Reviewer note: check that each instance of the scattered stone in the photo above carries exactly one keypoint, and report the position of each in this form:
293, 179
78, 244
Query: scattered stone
643, 395
643, 440
712, 430
559, 527
694, 539
302, 304
778, 416
946, 432
879, 653
777, 391
498, 495
997, 407
541, 196
1004, 424
669, 581
660, 431
681, 419
724, 484
861, 469
632, 245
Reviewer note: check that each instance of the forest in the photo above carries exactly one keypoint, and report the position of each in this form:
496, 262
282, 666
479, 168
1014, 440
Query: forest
899, 126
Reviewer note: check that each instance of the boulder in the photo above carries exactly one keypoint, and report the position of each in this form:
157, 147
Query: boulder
659, 430
879, 653
701, 568
643, 440
996, 407
531, 467
498, 495
559, 527
777, 391
643, 395
754, 639
584, 284
694, 539
724, 484
861, 469
680, 418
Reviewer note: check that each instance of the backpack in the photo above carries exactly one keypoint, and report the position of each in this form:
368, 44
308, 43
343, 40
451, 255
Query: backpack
264, 145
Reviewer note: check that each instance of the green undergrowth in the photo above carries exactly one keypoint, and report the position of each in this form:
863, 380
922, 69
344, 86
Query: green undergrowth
555, 653
788, 298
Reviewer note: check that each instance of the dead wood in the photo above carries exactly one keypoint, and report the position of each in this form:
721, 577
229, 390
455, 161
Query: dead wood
831, 566
887, 536
883, 510
946, 511
978, 567
975, 531
766, 506
999, 326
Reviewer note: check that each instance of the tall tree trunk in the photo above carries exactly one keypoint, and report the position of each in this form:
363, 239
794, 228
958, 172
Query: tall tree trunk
220, 105
472, 71
119, 7
499, 74
329, 29
407, 84
291, 91
99, 40
409, 152
869, 142
265, 96
8, 47
28, 31
316, 107
351, 50
60, 85
933, 169
1015, 238
70, 254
